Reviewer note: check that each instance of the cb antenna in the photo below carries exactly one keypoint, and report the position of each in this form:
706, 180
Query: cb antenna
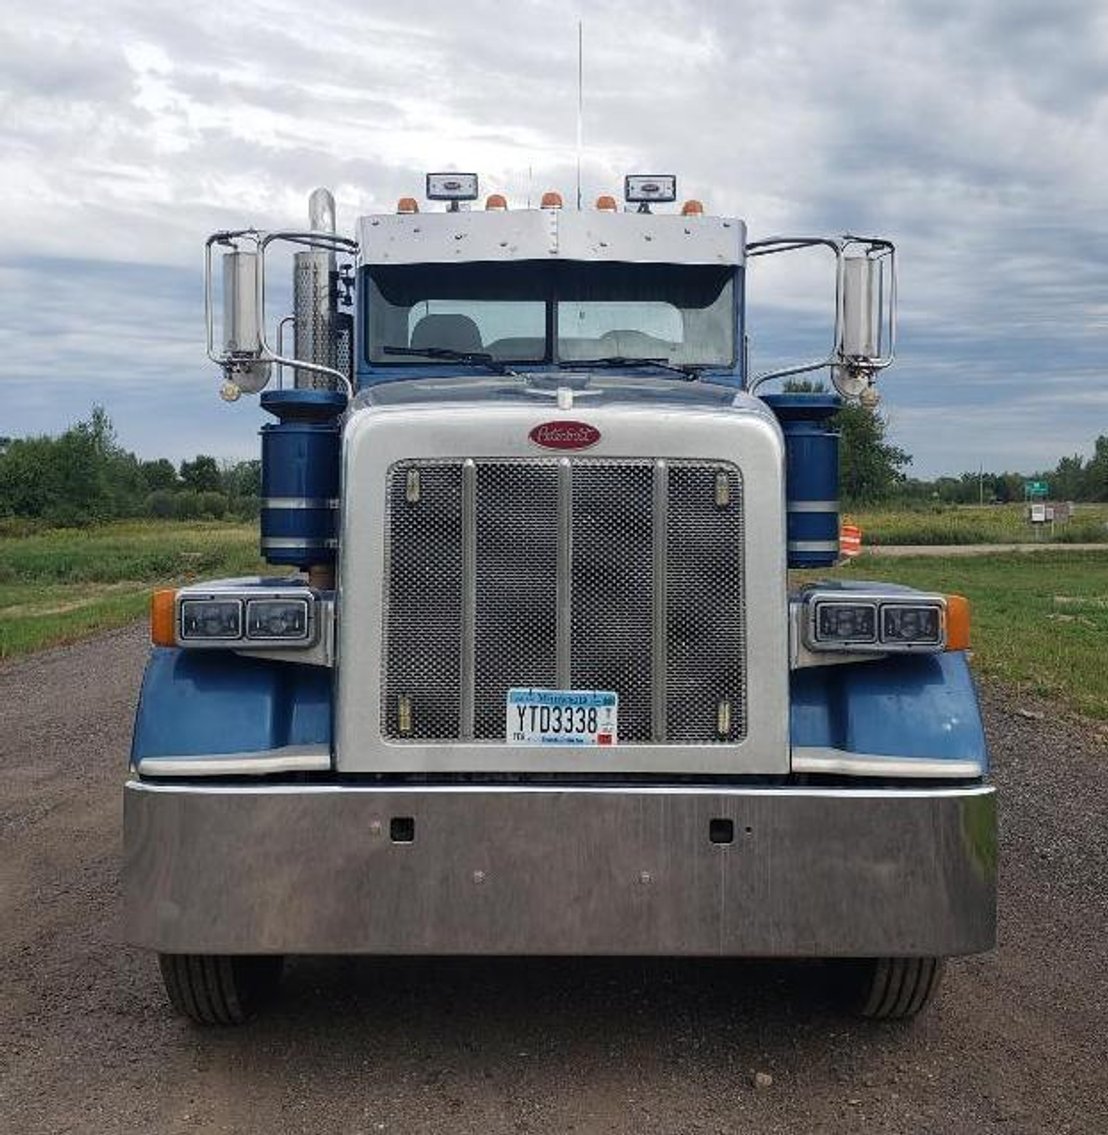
580, 104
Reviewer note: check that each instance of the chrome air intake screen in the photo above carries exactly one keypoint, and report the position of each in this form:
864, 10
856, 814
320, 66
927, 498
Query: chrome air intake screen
570, 573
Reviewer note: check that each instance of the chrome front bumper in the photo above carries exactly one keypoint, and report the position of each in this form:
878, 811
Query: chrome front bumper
545, 870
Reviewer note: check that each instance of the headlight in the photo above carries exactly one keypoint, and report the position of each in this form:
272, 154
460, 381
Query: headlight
277, 619
211, 619
845, 622
233, 616
883, 623
911, 623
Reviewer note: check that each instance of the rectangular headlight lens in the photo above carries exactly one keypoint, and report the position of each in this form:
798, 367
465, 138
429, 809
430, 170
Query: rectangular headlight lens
846, 622
211, 619
904, 624
277, 619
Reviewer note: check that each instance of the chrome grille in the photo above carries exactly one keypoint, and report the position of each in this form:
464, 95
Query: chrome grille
582, 573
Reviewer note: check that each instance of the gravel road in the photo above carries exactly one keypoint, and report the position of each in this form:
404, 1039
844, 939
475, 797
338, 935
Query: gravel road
945, 550
1017, 1043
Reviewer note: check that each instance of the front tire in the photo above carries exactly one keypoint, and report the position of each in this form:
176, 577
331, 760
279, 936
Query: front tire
893, 989
220, 989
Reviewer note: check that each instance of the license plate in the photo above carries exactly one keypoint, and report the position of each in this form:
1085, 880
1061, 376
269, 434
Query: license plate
562, 717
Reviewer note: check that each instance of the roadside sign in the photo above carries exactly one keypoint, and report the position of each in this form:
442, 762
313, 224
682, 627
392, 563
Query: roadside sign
1035, 488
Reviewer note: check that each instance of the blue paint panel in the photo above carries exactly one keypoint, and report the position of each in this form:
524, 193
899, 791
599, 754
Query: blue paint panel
196, 703
906, 706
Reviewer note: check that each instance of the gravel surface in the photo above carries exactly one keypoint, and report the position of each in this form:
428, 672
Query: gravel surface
1018, 1041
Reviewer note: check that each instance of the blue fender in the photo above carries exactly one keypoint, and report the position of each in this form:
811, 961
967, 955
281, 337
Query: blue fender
921, 705
197, 702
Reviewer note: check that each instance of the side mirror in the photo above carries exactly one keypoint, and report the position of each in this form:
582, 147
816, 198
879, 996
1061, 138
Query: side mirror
242, 333
865, 310
867, 305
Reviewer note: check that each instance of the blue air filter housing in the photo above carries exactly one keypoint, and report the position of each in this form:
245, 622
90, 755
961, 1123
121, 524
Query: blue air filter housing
811, 476
300, 476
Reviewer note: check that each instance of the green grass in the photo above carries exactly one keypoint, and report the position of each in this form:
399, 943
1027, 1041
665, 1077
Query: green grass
973, 524
1039, 623
57, 585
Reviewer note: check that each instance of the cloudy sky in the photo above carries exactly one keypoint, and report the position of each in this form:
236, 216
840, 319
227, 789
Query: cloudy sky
974, 133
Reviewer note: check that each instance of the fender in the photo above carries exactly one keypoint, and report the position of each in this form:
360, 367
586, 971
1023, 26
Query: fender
195, 703
901, 706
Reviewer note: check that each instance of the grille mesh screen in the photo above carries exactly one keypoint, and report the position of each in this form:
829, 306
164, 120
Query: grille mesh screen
612, 587
423, 630
704, 624
652, 592
517, 585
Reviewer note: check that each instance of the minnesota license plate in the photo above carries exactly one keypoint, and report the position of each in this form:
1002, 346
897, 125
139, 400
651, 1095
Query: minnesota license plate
562, 717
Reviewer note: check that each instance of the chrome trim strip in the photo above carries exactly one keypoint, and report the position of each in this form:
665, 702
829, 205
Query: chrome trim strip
812, 506
287, 758
295, 503
659, 646
843, 763
808, 792
467, 695
294, 544
813, 545
563, 665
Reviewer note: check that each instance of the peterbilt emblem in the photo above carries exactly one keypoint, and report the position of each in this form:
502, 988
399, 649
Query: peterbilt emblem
565, 435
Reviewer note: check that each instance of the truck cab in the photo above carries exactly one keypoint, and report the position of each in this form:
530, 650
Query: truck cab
533, 678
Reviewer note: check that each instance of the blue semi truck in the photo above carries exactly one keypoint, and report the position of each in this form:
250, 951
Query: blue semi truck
530, 675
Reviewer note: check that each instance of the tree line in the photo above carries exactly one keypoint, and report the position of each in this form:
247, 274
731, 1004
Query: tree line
874, 471
84, 476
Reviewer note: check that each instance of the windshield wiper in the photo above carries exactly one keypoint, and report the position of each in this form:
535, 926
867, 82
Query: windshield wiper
630, 361
477, 358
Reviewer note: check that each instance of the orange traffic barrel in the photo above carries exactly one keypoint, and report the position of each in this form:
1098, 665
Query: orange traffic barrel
850, 540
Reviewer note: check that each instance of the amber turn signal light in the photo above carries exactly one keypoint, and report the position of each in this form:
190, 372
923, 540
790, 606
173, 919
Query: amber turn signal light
163, 617
957, 622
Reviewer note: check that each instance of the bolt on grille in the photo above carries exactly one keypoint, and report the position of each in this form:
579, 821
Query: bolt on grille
566, 573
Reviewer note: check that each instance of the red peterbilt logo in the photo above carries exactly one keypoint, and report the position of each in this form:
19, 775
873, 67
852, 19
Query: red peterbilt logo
565, 435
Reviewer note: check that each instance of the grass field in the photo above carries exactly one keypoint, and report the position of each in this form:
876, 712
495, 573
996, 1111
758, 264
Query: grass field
973, 524
1040, 623
60, 584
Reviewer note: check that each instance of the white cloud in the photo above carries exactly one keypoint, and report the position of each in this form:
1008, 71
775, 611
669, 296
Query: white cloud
974, 133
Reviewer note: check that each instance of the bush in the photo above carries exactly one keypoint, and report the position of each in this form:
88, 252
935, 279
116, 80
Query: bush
162, 504
1082, 532
212, 505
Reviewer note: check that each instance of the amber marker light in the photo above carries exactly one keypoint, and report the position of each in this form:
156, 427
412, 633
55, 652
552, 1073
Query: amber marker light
163, 617
551, 199
496, 202
957, 622
692, 208
407, 205
606, 203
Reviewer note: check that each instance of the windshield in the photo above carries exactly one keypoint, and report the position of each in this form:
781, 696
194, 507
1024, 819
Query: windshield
532, 311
